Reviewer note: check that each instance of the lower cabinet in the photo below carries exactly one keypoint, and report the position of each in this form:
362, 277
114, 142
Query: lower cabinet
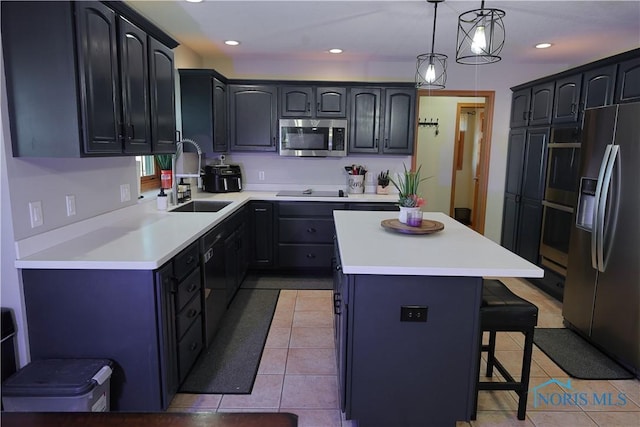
305, 234
149, 323
261, 237
236, 253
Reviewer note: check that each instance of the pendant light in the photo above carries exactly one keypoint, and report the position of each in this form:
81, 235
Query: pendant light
431, 68
480, 36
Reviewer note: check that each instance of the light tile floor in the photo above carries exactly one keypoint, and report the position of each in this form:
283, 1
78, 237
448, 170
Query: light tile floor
297, 374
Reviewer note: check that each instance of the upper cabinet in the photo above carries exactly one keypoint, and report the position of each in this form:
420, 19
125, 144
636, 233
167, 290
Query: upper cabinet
598, 87
115, 99
311, 101
532, 106
203, 99
628, 81
382, 120
253, 117
566, 105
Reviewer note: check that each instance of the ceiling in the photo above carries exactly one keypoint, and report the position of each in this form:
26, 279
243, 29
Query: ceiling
393, 31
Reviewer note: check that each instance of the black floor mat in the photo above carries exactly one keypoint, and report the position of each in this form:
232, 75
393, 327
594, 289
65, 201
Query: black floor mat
576, 356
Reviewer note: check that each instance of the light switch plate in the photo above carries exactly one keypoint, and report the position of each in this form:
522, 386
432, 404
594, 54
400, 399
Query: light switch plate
125, 193
35, 213
71, 204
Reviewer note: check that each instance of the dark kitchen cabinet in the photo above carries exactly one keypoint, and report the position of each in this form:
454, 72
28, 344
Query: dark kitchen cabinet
262, 238
532, 106
305, 233
524, 190
382, 120
598, 87
203, 98
99, 98
236, 252
317, 102
566, 107
253, 117
148, 323
163, 110
628, 81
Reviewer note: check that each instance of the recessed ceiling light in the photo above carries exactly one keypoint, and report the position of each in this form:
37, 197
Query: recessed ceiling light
194, 1
543, 45
336, 50
231, 42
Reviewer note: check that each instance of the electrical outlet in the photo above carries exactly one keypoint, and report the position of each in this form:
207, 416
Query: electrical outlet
261, 175
35, 213
125, 193
71, 204
413, 313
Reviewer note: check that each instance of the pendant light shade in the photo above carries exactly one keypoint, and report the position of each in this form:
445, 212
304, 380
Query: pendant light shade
431, 68
480, 36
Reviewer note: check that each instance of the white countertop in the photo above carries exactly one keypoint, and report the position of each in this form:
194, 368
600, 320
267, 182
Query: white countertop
140, 237
368, 248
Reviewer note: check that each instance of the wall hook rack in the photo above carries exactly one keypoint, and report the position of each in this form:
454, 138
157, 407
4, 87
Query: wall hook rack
429, 123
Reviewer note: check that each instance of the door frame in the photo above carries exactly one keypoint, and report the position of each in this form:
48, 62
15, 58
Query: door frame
485, 150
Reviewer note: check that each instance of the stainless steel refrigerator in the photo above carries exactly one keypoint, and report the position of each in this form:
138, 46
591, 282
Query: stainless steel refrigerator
602, 288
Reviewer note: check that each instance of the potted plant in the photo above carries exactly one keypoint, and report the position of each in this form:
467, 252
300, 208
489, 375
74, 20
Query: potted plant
408, 197
164, 163
383, 183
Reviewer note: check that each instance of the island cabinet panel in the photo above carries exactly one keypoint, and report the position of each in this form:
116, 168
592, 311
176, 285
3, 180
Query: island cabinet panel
426, 370
149, 323
108, 95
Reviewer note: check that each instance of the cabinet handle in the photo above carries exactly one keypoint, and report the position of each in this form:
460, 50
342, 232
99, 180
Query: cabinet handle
573, 108
193, 287
318, 109
338, 267
308, 106
260, 209
178, 136
311, 256
517, 198
311, 230
194, 346
375, 145
525, 115
192, 313
132, 133
190, 259
336, 304
386, 143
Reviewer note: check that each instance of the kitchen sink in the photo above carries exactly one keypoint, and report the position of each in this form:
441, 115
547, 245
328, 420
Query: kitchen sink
201, 206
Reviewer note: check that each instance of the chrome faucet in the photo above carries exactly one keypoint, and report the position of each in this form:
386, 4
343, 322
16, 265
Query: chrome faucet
174, 159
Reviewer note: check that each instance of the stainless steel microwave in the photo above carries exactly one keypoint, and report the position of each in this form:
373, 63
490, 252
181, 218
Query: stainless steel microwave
313, 138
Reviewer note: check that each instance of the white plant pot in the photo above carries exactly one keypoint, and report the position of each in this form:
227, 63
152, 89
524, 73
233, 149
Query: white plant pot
402, 216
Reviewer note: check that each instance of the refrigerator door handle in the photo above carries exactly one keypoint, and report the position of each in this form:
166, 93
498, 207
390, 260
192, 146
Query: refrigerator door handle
598, 207
615, 150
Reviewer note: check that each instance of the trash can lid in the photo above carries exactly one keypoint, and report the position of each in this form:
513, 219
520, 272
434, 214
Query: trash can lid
55, 377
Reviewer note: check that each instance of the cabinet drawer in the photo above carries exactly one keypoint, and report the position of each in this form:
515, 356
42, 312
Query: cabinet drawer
306, 230
186, 261
316, 209
305, 256
189, 349
188, 288
185, 318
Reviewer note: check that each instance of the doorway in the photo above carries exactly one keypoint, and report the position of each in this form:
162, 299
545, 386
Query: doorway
441, 151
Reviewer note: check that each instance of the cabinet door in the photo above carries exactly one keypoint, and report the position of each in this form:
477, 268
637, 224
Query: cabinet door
535, 160
168, 336
252, 118
99, 78
134, 73
399, 122
520, 101
566, 99
628, 81
196, 91
598, 87
262, 234
528, 230
331, 102
162, 95
296, 101
515, 160
365, 117
510, 221
541, 104
220, 135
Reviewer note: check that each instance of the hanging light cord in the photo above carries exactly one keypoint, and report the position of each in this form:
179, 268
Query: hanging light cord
433, 35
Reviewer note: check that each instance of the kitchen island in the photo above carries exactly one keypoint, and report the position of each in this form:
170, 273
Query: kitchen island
407, 318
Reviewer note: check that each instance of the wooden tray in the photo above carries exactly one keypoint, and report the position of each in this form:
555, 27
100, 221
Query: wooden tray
428, 226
